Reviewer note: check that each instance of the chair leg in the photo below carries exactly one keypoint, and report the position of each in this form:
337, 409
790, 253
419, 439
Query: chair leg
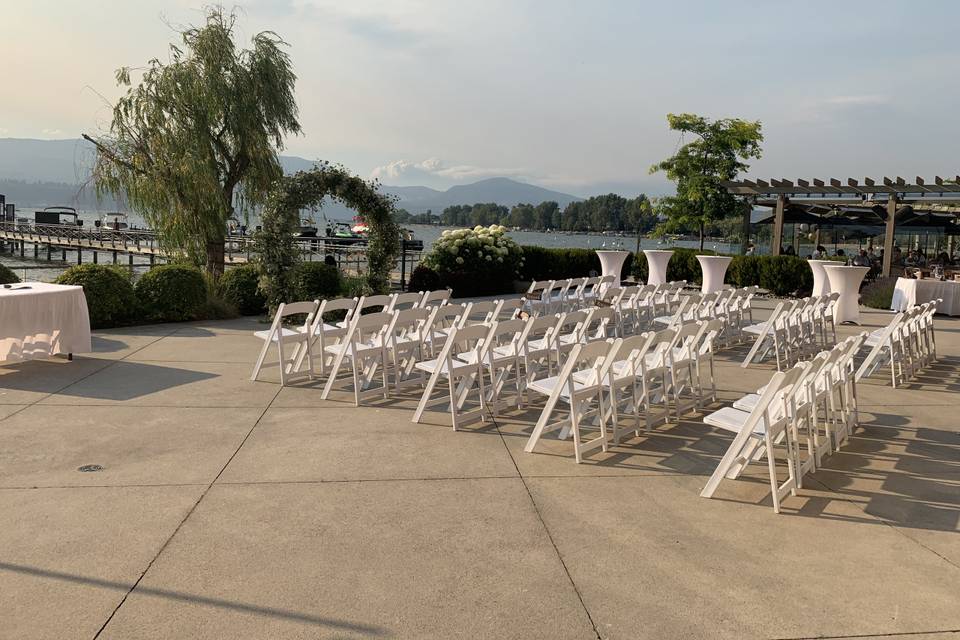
261, 358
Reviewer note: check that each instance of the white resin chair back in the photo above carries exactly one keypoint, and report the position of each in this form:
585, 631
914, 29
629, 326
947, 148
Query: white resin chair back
409, 300
365, 348
460, 362
436, 298
583, 394
298, 340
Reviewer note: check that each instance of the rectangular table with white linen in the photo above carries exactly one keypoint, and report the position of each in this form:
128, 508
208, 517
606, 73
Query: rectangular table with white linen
39, 320
909, 292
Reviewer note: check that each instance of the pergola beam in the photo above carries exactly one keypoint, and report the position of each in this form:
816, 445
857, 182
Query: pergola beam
778, 225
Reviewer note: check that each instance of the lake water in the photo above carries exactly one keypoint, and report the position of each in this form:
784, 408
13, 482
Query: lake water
30, 269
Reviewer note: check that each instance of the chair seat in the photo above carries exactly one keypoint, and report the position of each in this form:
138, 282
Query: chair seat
431, 365
330, 330
362, 346
539, 344
546, 386
755, 329
568, 339
732, 419
287, 333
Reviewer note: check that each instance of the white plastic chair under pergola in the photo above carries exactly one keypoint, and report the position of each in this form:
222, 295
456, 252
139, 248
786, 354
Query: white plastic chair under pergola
364, 347
294, 340
462, 372
584, 399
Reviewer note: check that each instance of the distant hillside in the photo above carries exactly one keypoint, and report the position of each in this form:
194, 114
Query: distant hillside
40, 173
502, 191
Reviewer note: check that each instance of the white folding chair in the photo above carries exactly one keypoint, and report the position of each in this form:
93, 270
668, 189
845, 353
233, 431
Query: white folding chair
283, 338
365, 348
324, 333
766, 425
406, 344
436, 298
462, 372
584, 399
403, 301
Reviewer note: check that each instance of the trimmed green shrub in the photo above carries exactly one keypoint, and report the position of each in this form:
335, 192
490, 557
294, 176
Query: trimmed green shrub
423, 278
785, 275
239, 287
878, 294
476, 262
172, 293
315, 281
355, 286
7, 276
110, 294
542, 263
744, 271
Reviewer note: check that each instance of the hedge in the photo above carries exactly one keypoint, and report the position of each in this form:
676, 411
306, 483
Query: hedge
171, 293
315, 281
7, 276
240, 287
781, 275
542, 263
423, 278
879, 293
110, 294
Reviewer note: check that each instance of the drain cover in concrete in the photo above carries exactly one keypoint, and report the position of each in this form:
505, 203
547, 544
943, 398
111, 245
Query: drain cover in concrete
90, 467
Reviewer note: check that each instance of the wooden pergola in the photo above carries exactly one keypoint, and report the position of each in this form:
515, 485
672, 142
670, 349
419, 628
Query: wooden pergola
895, 197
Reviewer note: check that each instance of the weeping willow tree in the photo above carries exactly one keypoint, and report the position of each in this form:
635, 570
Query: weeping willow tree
198, 137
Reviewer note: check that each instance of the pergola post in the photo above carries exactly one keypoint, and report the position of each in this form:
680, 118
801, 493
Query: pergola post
889, 234
777, 240
745, 229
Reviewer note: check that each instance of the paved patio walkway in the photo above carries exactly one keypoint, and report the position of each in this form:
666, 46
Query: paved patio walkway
232, 509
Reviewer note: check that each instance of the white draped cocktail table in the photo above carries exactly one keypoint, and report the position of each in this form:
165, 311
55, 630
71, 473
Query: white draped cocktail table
821, 284
714, 268
39, 320
909, 292
846, 281
611, 263
657, 260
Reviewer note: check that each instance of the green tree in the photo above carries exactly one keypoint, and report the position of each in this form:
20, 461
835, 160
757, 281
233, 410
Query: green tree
199, 136
523, 216
718, 153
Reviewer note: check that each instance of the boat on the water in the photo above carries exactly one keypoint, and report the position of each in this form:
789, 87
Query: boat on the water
113, 221
66, 216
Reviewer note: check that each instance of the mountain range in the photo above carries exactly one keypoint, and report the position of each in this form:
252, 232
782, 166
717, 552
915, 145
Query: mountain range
38, 173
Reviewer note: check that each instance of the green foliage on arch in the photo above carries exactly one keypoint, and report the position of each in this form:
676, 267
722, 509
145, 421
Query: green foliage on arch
275, 246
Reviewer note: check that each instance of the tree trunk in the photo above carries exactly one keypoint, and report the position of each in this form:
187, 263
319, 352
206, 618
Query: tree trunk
215, 258
701, 236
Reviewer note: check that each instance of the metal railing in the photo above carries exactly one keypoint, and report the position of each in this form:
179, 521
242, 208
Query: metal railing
349, 258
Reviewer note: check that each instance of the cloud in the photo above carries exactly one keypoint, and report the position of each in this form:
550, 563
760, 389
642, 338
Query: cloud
434, 170
3, 131
856, 101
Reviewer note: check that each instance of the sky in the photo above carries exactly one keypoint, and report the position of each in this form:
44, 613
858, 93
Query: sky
570, 95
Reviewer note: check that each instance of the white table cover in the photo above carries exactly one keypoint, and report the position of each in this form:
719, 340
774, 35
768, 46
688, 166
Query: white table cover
821, 284
611, 263
43, 320
714, 268
846, 281
909, 292
657, 260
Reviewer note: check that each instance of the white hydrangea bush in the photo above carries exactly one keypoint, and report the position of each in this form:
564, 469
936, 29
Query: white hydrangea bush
486, 251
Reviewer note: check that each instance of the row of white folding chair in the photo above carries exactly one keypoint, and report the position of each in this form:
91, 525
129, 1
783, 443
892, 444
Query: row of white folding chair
784, 414
556, 296
330, 333
627, 375
795, 329
395, 341
907, 344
